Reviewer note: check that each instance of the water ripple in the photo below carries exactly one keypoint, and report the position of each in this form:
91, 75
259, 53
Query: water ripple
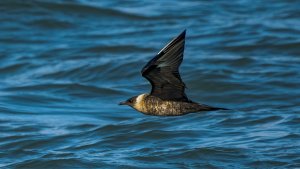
65, 66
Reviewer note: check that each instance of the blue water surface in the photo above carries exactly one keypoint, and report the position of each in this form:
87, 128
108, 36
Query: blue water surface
66, 64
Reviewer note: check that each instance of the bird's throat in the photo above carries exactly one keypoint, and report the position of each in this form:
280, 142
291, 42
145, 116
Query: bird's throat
139, 104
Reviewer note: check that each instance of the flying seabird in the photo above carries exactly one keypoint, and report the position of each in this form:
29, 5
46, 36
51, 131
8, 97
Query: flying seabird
167, 97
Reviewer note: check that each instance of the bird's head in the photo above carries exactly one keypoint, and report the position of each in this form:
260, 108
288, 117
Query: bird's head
130, 102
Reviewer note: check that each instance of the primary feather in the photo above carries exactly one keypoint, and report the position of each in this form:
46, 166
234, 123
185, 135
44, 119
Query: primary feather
163, 71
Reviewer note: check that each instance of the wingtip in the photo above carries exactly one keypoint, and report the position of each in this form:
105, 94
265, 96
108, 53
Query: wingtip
182, 33
179, 37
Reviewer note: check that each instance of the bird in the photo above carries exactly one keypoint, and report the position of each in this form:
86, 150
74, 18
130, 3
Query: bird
167, 96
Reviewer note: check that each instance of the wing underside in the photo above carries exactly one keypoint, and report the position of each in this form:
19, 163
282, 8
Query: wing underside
163, 71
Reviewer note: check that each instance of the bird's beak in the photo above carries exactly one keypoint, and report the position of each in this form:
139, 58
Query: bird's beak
123, 103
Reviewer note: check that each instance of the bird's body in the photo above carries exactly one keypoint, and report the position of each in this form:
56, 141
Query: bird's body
152, 105
167, 97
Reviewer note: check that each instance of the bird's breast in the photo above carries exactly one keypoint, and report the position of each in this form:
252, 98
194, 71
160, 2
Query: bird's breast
155, 106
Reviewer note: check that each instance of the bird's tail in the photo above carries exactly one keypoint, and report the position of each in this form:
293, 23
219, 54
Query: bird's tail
209, 108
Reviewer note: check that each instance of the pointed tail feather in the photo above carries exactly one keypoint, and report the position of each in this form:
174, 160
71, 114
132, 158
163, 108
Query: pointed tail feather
209, 108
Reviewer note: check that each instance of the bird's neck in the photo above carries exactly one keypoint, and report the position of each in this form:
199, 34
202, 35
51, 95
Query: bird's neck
140, 102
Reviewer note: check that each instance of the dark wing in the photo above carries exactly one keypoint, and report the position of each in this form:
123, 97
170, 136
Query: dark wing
163, 74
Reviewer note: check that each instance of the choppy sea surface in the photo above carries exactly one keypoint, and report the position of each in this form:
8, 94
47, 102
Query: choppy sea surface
65, 66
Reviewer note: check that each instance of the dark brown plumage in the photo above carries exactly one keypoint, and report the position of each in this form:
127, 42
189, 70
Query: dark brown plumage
167, 97
163, 74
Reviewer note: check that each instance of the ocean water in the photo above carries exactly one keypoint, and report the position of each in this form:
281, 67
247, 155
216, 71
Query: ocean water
65, 66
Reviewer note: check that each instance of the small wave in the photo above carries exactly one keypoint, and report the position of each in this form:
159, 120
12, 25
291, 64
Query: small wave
288, 47
269, 163
116, 49
52, 24
11, 69
245, 121
293, 121
65, 162
65, 87
76, 8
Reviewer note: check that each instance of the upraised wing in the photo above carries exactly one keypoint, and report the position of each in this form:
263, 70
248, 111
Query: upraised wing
163, 74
